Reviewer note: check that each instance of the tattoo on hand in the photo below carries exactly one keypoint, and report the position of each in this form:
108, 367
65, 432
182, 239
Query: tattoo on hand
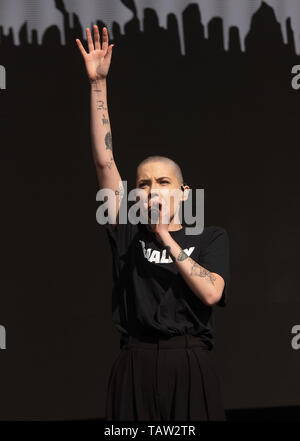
108, 141
198, 270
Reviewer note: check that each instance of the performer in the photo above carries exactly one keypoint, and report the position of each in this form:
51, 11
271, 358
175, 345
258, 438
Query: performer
165, 283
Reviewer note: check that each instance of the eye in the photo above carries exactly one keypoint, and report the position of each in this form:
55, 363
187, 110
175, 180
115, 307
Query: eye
165, 182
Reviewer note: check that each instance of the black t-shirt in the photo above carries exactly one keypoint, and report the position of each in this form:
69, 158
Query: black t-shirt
150, 297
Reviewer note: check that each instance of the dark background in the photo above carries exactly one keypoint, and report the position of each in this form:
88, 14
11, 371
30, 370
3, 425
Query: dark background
230, 119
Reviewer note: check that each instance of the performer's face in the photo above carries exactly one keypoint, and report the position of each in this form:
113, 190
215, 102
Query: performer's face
158, 179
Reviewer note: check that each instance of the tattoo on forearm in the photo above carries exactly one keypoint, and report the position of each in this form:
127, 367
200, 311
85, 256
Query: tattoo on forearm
97, 90
108, 141
198, 270
182, 255
100, 105
104, 120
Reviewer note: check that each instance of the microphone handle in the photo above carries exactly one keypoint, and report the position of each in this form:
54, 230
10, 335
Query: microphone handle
155, 214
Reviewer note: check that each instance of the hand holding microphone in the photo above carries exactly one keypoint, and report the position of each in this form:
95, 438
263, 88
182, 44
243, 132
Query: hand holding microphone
158, 214
154, 212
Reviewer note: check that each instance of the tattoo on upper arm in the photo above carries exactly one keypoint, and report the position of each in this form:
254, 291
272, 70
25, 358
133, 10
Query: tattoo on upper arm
108, 141
109, 163
120, 192
198, 270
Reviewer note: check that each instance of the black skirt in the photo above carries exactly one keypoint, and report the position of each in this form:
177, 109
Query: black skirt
164, 380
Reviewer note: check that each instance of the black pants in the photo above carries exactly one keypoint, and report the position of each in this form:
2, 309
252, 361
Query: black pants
164, 380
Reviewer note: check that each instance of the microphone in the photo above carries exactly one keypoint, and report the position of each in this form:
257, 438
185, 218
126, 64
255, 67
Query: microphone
154, 210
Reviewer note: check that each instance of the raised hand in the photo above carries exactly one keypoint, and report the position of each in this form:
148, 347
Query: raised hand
97, 61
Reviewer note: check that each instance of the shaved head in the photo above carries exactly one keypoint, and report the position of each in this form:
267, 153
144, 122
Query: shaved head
168, 161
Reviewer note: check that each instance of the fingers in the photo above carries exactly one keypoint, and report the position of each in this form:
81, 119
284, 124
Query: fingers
109, 50
155, 201
97, 37
104, 39
89, 39
105, 47
81, 48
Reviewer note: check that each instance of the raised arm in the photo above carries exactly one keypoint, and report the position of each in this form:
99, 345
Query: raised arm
97, 63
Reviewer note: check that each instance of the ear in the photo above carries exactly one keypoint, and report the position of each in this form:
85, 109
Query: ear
186, 190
